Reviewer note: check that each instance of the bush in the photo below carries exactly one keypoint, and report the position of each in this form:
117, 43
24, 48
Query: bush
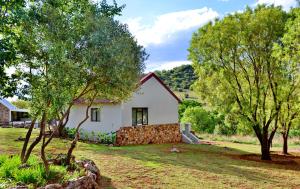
33, 174
293, 133
223, 129
187, 104
106, 138
201, 120
70, 132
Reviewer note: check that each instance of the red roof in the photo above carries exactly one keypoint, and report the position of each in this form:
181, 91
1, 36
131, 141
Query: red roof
150, 75
142, 81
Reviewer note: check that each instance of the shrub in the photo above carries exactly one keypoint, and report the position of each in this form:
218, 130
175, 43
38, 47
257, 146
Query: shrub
70, 132
9, 166
33, 174
186, 104
2, 159
201, 120
106, 138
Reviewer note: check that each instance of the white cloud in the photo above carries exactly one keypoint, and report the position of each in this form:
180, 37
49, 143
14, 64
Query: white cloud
166, 26
168, 65
286, 4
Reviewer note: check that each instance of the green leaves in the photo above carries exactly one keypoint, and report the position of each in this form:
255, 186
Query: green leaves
77, 50
10, 14
248, 64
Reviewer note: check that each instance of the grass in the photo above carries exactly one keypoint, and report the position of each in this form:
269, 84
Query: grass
34, 175
154, 166
277, 141
192, 95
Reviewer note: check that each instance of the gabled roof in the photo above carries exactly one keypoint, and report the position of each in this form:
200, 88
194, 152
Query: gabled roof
7, 104
10, 106
150, 75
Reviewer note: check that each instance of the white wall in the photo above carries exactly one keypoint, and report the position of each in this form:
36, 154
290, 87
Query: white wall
162, 109
110, 118
162, 106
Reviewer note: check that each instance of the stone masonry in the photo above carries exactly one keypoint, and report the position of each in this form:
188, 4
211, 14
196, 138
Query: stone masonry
4, 114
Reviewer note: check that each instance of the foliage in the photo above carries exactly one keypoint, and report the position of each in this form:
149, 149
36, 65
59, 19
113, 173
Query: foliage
102, 138
106, 138
70, 132
179, 78
201, 119
186, 104
10, 14
34, 174
99, 58
22, 104
287, 52
237, 71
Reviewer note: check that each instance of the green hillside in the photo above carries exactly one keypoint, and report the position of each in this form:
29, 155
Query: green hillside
179, 78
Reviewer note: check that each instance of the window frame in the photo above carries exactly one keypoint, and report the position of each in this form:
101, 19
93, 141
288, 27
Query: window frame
141, 110
98, 115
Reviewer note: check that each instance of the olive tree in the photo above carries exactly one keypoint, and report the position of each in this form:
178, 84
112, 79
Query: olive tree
287, 53
98, 58
236, 69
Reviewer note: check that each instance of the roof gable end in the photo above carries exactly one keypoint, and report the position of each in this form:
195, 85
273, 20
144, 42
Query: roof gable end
150, 75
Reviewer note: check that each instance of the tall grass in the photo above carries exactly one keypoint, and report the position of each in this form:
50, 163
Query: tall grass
12, 172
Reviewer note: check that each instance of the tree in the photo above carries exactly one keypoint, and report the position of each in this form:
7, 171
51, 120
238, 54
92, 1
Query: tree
99, 58
180, 77
22, 104
10, 14
288, 53
236, 69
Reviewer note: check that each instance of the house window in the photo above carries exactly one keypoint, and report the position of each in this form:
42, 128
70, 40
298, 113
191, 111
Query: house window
139, 116
95, 114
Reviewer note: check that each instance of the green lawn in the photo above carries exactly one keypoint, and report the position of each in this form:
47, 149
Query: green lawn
154, 166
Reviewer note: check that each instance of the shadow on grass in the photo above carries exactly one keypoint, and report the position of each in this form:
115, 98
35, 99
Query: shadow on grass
209, 158
106, 183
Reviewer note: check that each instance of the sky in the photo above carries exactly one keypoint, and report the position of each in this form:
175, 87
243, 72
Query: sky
165, 27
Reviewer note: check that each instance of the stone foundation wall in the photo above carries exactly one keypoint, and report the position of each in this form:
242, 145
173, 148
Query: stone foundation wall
149, 134
4, 114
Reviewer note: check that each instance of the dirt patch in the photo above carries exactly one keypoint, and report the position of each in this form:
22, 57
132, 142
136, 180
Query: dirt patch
276, 159
207, 142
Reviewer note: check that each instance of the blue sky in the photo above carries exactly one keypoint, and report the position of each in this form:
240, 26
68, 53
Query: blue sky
165, 27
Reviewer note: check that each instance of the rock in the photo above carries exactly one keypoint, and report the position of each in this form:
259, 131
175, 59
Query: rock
174, 149
91, 180
20, 139
20, 187
53, 186
24, 166
85, 182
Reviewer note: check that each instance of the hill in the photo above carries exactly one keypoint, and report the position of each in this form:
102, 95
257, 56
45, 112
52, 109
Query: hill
179, 78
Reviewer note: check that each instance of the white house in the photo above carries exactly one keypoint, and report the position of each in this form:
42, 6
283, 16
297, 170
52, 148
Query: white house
152, 103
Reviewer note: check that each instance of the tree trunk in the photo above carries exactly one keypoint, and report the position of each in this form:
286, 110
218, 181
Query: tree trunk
63, 121
74, 142
265, 149
28, 135
285, 144
37, 140
43, 155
